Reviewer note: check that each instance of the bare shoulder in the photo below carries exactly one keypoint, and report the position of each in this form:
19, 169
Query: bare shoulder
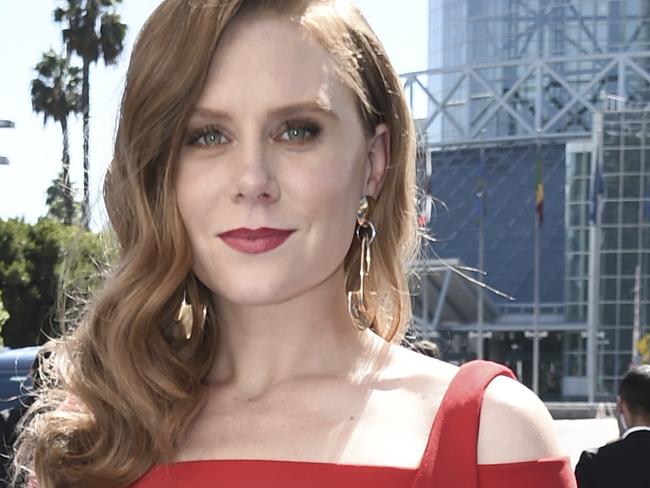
515, 425
514, 419
420, 383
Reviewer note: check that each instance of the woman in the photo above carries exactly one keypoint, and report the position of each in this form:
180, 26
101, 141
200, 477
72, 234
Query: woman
263, 193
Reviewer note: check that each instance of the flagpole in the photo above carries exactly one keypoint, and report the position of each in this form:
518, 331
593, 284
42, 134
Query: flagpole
536, 274
636, 331
481, 248
593, 311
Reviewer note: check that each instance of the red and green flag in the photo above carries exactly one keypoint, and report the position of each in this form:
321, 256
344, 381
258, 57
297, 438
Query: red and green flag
539, 190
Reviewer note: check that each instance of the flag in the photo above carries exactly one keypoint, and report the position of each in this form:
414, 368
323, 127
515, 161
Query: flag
539, 189
424, 216
597, 190
480, 191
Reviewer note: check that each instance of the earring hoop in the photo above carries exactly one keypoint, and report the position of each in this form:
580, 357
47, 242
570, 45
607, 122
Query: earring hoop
358, 308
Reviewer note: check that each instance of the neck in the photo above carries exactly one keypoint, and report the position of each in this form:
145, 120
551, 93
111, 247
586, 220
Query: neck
308, 336
638, 421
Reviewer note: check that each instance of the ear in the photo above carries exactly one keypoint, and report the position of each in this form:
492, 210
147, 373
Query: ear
623, 407
378, 160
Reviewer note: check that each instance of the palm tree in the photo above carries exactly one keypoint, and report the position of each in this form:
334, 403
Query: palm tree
84, 37
56, 94
58, 197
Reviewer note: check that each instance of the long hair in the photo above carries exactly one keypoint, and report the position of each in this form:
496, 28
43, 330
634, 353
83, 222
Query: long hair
127, 369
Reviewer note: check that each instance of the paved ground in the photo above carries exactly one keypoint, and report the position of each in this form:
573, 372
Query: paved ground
577, 435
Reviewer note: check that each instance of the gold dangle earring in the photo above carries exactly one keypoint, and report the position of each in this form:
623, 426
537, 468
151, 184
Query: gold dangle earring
185, 317
366, 233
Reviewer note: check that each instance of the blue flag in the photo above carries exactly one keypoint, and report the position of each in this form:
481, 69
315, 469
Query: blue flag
597, 190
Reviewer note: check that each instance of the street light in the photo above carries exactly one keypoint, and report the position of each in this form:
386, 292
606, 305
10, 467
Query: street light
5, 124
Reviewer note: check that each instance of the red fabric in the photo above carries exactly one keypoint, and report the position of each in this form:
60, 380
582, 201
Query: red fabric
449, 460
450, 456
276, 474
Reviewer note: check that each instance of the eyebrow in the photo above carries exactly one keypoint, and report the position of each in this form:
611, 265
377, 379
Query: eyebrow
319, 106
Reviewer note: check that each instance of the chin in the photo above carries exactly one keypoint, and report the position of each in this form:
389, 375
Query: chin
263, 292
259, 286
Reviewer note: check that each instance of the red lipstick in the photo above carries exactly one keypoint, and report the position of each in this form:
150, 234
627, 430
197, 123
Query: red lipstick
255, 241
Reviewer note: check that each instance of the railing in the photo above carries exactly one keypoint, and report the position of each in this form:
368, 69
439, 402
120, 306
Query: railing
527, 308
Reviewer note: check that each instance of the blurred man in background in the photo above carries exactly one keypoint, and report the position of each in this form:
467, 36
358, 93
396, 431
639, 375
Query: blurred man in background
623, 463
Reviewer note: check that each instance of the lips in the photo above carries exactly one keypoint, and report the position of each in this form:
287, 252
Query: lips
260, 233
255, 241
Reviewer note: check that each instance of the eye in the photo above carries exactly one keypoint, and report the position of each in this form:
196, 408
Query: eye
297, 131
207, 137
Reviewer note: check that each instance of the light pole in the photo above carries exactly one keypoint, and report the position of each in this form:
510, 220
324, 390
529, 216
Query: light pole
5, 124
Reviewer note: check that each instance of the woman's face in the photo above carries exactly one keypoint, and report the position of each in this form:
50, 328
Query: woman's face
275, 141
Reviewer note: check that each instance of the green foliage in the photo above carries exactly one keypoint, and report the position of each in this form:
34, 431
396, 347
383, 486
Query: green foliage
41, 267
56, 201
4, 315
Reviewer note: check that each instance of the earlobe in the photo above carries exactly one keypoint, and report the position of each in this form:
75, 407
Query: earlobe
378, 160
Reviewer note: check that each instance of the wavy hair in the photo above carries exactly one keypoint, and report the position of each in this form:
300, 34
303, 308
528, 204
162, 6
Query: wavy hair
127, 369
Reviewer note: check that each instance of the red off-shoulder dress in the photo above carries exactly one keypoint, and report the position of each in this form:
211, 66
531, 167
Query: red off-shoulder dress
449, 460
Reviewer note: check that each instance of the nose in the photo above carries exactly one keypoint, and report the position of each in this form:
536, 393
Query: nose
255, 176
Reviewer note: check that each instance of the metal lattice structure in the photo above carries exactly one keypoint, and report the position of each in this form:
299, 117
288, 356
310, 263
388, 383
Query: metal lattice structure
511, 70
544, 98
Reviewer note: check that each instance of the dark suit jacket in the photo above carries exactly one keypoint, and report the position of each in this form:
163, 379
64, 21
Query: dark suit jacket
621, 464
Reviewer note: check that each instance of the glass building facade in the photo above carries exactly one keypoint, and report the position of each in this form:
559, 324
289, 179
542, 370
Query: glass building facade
623, 237
512, 82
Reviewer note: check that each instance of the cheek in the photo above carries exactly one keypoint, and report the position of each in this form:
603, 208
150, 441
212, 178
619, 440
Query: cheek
196, 197
332, 207
196, 192
198, 201
185, 180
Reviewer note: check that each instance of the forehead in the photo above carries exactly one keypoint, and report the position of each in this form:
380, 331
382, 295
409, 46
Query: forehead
267, 61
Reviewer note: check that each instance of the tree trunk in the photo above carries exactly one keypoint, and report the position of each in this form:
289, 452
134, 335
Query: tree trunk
85, 102
67, 188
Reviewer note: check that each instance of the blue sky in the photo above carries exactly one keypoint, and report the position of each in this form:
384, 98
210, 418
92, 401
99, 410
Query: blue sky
27, 30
